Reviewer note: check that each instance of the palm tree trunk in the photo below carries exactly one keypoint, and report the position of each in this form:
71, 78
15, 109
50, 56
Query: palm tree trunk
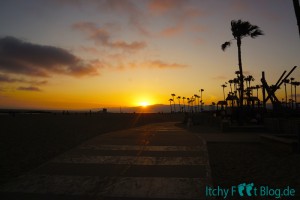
174, 104
297, 12
239, 43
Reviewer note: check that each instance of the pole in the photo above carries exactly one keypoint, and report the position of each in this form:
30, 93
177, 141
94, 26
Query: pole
295, 96
285, 95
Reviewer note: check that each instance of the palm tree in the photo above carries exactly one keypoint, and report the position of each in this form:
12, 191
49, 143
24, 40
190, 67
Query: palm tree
230, 82
179, 97
173, 95
257, 87
171, 104
241, 29
248, 80
192, 103
295, 83
197, 102
235, 83
285, 82
202, 90
183, 98
224, 86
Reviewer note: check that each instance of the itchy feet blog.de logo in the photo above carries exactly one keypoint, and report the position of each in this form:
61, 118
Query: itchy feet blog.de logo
249, 190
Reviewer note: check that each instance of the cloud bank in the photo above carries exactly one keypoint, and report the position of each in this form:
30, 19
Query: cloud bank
30, 88
25, 58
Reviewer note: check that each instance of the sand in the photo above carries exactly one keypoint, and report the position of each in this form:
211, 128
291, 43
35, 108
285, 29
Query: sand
28, 140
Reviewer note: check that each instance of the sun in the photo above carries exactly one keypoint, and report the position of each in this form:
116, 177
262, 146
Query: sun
144, 104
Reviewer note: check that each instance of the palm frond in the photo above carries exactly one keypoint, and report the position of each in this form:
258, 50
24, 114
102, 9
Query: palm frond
225, 45
256, 33
241, 29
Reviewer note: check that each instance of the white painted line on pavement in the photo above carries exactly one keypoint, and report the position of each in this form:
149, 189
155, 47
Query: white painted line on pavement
141, 147
131, 160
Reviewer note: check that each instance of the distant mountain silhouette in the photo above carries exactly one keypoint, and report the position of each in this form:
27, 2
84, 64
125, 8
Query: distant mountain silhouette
141, 109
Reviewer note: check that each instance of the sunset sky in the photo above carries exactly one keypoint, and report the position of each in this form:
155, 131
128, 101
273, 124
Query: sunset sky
81, 54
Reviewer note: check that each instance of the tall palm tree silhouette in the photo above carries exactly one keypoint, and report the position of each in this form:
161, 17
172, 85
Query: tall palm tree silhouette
257, 87
183, 98
285, 82
241, 29
173, 95
179, 97
296, 83
201, 90
224, 86
197, 102
230, 83
171, 104
248, 80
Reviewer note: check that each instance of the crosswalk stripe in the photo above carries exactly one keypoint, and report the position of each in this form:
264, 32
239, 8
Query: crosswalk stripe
142, 147
143, 187
157, 187
131, 160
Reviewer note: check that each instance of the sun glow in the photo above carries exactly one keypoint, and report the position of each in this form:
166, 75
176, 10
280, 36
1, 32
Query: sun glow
144, 104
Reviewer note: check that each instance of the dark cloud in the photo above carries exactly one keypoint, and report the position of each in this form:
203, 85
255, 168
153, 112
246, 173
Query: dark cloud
30, 88
21, 57
7, 79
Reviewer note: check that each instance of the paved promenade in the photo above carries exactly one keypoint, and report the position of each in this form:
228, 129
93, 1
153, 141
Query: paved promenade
158, 161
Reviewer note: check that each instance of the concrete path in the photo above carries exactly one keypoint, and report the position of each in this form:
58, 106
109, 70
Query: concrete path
158, 161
